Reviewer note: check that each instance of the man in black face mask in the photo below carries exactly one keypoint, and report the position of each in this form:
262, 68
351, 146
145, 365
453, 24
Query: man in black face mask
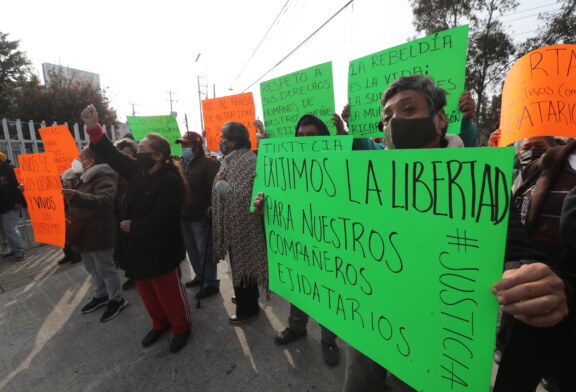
413, 117
533, 148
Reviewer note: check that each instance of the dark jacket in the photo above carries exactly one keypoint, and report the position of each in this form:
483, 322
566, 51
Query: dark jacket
200, 173
9, 193
153, 202
93, 205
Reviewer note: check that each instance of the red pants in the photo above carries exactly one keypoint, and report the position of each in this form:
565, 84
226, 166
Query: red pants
166, 301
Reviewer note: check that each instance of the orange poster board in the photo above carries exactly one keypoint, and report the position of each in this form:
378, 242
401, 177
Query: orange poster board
218, 111
59, 141
43, 193
539, 95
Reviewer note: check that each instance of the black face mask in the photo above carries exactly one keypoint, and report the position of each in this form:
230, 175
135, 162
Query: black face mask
403, 133
529, 156
144, 160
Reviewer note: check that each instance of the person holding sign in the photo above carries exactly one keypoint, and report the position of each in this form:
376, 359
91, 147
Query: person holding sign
11, 204
309, 125
150, 246
414, 117
89, 189
237, 231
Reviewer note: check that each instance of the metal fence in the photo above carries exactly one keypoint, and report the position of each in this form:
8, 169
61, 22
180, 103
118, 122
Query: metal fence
23, 138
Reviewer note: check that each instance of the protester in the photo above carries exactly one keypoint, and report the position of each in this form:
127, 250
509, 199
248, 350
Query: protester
309, 125
237, 231
11, 204
89, 189
150, 246
129, 147
530, 351
200, 172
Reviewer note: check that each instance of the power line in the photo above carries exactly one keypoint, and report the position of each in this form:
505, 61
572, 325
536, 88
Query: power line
529, 9
299, 45
262, 40
530, 16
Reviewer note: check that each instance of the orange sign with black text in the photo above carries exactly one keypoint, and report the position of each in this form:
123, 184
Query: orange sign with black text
59, 141
539, 95
218, 111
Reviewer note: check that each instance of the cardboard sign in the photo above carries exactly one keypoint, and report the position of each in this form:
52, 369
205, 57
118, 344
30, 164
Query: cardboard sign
394, 252
43, 192
441, 56
539, 95
219, 111
166, 126
59, 141
289, 97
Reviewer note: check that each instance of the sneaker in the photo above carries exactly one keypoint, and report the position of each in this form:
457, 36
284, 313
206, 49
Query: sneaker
178, 341
193, 283
21, 257
330, 353
207, 292
114, 307
63, 260
7, 255
94, 304
153, 336
288, 336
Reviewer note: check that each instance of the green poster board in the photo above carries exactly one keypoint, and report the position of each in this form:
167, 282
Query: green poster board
441, 56
289, 97
166, 126
305, 144
395, 252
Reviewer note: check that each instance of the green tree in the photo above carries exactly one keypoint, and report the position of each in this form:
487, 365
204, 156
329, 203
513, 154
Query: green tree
62, 101
555, 28
14, 69
490, 46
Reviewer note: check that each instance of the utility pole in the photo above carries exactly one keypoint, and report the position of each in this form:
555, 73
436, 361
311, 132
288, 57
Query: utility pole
186, 121
214, 90
170, 92
200, 103
133, 110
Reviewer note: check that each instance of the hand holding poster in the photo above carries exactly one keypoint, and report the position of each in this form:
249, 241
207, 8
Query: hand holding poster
59, 141
43, 193
289, 97
441, 56
395, 252
539, 95
218, 111
163, 125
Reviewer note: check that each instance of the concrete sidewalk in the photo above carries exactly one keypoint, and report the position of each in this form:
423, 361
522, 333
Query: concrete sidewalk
47, 345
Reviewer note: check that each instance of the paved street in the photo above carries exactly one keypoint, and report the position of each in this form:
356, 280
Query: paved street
47, 345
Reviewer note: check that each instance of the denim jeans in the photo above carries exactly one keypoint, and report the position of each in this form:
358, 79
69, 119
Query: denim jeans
9, 223
198, 242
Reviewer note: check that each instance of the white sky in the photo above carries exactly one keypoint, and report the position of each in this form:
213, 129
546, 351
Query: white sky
142, 49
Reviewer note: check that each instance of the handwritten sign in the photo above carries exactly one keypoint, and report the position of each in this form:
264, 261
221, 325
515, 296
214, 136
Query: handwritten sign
539, 95
218, 111
306, 144
289, 97
441, 56
59, 141
395, 253
43, 192
166, 126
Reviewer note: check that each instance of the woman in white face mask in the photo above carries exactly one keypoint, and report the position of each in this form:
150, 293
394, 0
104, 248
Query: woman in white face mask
90, 188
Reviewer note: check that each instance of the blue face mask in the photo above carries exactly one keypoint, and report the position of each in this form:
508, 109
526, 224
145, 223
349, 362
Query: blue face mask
224, 147
187, 154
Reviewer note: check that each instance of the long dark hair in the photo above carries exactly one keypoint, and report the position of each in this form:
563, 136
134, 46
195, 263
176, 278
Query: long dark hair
160, 144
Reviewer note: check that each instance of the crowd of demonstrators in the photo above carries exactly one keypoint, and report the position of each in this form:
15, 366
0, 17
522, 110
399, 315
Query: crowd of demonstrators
238, 232
149, 247
89, 189
11, 204
200, 172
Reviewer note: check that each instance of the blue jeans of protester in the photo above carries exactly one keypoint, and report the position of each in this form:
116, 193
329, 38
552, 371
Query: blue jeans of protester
198, 242
298, 320
102, 268
9, 223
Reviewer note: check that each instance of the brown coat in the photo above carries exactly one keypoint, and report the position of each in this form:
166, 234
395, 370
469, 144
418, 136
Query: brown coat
94, 204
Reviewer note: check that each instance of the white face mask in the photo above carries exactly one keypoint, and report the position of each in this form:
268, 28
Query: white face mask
77, 166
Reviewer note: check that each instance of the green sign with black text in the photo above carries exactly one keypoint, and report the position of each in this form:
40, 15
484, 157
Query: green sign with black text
442, 56
166, 126
395, 252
